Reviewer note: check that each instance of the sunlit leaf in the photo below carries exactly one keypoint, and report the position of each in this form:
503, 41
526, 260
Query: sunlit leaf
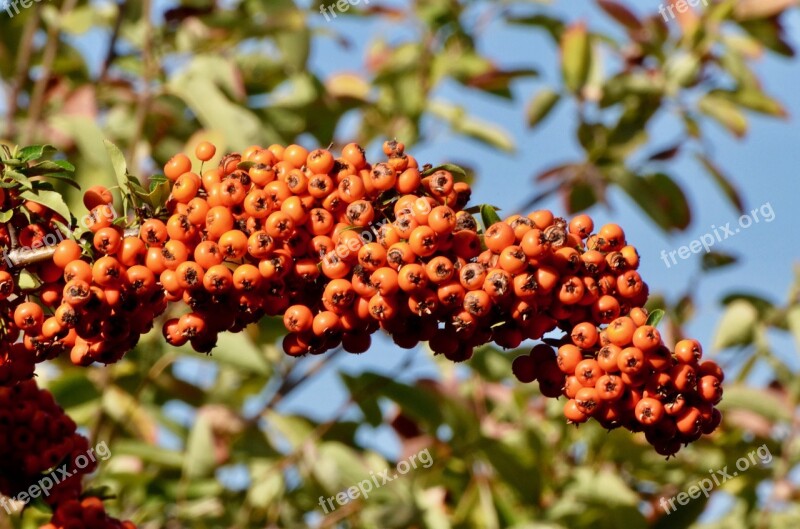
199, 460
50, 199
576, 56
737, 325
541, 106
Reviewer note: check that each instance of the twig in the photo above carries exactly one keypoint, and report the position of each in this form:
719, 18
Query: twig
51, 48
21, 75
111, 54
143, 106
24, 256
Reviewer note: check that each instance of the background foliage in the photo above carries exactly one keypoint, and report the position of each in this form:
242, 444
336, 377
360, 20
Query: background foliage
211, 442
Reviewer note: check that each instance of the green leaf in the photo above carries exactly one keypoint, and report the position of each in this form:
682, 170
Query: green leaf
753, 99
714, 260
725, 113
455, 170
238, 350
620, 13
658, 196
6, 215
163, 457
73, 389
467, 125
34, 152
19, 179
489, 215
120, 167
47, 167
737, 326
576, 56
554, 26
727, 187
541, 106
763, 402
50, 199
655, 317
793, 321
28, 280
369, 407
199, 460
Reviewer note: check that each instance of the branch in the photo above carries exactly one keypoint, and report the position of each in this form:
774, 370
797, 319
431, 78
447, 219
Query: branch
111, 54
25, 256
20, 76
143, 106
51, 49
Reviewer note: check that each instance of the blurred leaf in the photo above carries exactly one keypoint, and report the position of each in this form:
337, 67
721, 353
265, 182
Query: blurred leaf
723, 182
200, 460
714, 260
665, 154
752, 99
238, 350
620, 13
580, 196
726, 113
369, 406
658, 196
793, 321
761, 401
576, 55
737, 325
761, 304
169, 459
541, 106
758, 9
129, 413
73, 389
267, 484
295, 46
498, 82
554, 26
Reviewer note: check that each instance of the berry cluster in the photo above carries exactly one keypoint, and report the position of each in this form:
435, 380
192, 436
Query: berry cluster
37, 437
624, 375
86, 513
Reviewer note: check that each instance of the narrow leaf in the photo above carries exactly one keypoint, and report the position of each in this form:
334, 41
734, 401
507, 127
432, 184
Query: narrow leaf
541, 106
723, 182
576, 56
655, 317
